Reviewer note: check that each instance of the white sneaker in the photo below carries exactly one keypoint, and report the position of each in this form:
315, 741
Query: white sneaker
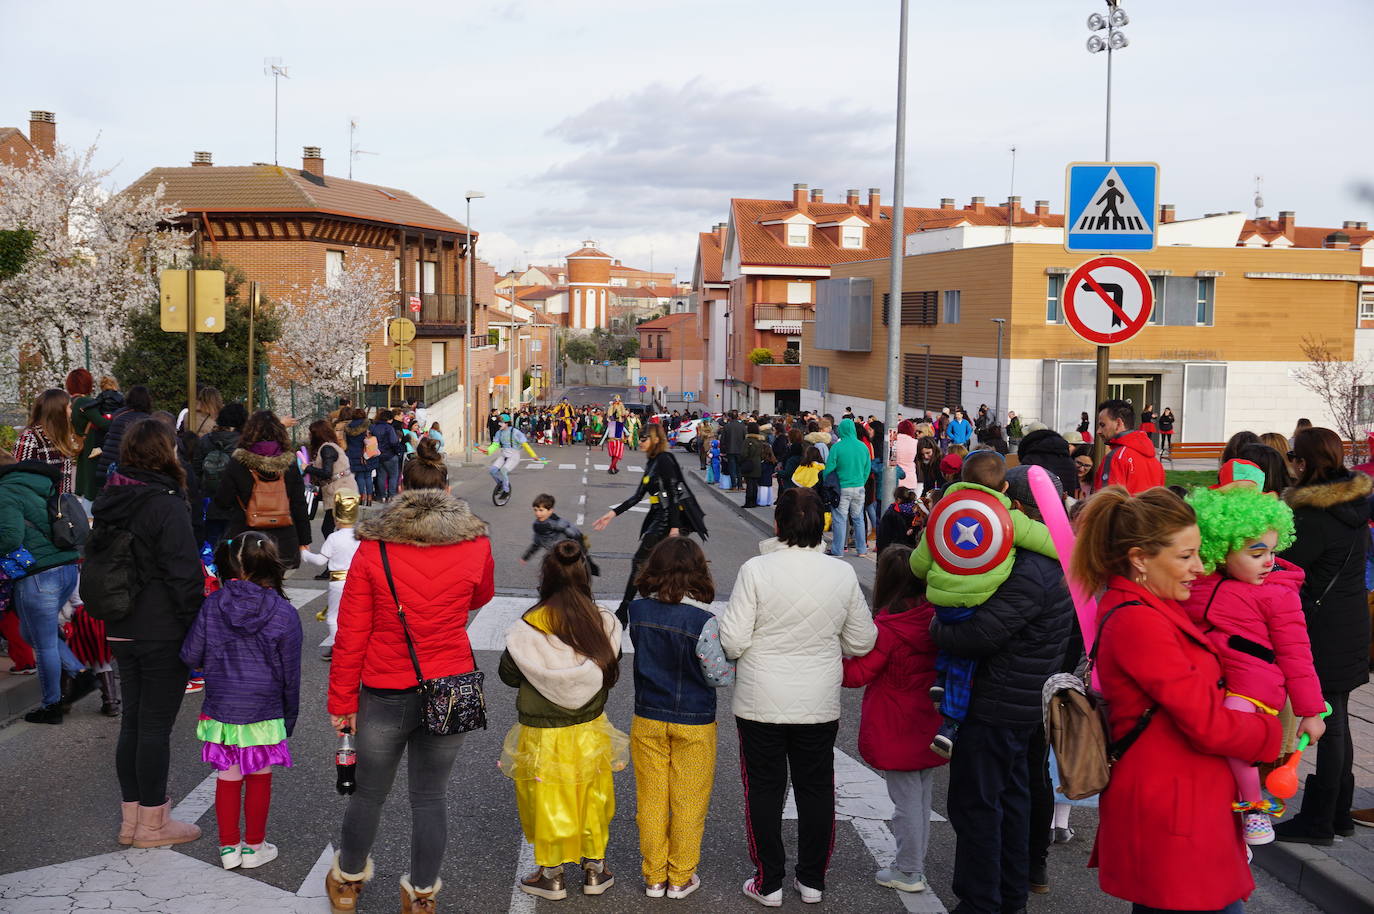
808, 894
687, 888
771, 900
893, 878
256, 858
230, 855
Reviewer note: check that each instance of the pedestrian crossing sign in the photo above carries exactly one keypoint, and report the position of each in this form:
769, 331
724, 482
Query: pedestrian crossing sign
1111, 206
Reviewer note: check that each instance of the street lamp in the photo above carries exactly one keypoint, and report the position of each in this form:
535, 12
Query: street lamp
997, 391
888, 482
1114, 40
467, 326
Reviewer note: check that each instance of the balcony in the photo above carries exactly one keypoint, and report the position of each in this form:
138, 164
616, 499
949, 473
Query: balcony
777, 377
656, 354
441, 313
786, 319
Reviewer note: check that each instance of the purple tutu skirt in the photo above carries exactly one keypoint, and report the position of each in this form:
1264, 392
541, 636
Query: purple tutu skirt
252, 747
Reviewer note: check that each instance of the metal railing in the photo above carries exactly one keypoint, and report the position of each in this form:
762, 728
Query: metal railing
441, 386
656, 354
784, 312
435, 307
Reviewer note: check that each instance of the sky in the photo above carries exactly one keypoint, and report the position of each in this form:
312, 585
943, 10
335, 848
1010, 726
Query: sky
633, 123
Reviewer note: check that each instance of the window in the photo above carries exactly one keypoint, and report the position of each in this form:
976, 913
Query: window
396, 274
798, 293
1158, 285
333, 268
1364, 397
436, 359
798, 235
918, 308
851, 236
791, 353
1054, 297
952, 306
1206, 296
1366, 304
426, 273
942, 386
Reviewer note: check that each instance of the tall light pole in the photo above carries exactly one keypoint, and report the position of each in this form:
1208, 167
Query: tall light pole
894, 283
997, 391
468, 398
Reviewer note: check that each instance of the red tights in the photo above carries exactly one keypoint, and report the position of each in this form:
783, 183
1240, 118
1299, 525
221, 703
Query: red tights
256, 792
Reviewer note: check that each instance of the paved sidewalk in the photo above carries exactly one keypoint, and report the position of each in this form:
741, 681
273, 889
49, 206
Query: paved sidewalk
1340, 877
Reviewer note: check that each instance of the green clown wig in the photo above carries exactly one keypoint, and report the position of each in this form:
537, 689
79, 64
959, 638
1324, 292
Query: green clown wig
1232, 519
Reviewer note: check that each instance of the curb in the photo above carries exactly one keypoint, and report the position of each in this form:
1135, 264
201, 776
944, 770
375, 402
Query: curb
1317, 876
18, 696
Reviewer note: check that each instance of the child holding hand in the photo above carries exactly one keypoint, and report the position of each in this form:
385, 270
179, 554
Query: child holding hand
1249, 607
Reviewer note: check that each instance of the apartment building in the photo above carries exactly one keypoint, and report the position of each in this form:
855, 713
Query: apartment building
672, 359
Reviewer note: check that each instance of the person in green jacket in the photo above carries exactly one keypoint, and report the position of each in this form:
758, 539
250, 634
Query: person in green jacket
851, 461
48, 582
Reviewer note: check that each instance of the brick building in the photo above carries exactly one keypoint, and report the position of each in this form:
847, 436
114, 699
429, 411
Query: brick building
672, 359
16, 149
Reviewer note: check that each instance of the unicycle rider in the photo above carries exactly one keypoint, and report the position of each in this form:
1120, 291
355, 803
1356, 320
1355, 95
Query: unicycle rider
508, 441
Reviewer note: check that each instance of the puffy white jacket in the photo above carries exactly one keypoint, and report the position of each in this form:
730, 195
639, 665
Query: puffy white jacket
792, 614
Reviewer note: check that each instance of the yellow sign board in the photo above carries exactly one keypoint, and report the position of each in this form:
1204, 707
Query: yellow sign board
209, 301
402, 358
400, 330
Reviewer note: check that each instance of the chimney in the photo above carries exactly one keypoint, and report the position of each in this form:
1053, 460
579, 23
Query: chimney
799, 197
1362, 226
312, 162
201, 160
818, 196
720, 231
1287, 219
43, 132
875, 209
1349, 224
1014, 211
1042, 207
977, 204
851, 197
946, 203
1166, 213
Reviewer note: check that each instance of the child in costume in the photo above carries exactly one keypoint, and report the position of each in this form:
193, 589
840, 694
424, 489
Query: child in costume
678, 666
337, 553
1249, 607
563, 655
957, 592
713, 464
247, 639
550, 530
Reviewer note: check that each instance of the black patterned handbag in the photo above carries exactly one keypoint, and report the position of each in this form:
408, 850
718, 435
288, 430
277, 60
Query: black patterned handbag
449, 704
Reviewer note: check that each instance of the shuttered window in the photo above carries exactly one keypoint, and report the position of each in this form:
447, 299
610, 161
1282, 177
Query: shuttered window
918, 308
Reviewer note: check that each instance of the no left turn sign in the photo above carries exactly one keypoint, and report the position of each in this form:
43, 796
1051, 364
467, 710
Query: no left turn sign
1107, 300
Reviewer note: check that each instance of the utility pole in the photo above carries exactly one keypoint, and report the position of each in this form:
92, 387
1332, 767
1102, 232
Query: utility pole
468, 398
252, 314
273, 68
894, 285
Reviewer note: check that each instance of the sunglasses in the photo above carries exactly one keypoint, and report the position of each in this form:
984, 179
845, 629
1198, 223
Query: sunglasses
1292, 455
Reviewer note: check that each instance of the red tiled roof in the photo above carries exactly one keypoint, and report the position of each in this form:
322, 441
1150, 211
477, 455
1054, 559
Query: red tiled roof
668, 321
15, 148
643, 292
1302, 236
273, 188
588, 252
708, 250
541, 293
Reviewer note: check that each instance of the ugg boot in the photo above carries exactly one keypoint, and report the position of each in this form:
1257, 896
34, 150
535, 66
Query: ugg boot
419, 901
109, 693
128, 822
343, 888
157, 828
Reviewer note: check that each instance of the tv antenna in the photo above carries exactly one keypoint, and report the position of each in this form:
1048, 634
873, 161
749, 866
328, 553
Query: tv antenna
271, 66
353, 150
1259, 195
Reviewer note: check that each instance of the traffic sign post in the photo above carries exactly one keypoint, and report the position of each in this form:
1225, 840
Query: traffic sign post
1110, 206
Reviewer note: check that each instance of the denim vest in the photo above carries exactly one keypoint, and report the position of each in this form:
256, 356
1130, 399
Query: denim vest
669, 683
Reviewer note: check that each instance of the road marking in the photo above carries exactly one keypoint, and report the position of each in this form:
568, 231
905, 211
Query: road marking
313, 884
534, 465
520, 903
633, 468
582, 499
639, 509
580, 518
567, 466
301, 597
601, 466
584, 479
198, 802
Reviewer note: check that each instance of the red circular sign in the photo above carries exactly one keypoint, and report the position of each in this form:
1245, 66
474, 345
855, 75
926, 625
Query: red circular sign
970, 532
1107, 300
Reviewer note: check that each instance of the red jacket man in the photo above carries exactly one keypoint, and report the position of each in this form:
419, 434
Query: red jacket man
1131, 459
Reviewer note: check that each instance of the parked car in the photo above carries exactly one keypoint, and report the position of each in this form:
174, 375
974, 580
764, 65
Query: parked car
685, 435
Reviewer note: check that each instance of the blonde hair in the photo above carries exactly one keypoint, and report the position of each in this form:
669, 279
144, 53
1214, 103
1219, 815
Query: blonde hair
1113, 522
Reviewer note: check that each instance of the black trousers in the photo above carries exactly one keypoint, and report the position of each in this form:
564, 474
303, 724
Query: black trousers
767, 754
654, 531
989, 807
154, 682
1331, 790
1041, 798
751, 492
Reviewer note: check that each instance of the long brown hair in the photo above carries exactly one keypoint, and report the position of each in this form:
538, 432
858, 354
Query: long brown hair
322, 433
150, 444
1322, 454
263, 425
574, 618
654, 432
1113, 522
894, 584
50, 415
677, 568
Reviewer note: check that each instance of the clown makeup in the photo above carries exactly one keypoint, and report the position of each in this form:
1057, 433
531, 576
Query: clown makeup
1252, 563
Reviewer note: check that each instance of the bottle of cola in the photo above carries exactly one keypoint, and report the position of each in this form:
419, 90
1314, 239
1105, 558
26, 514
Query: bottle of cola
346, 763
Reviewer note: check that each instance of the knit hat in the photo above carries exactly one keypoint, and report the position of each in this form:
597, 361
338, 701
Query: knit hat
950, 465
346, 508
1239, 473
1019, 489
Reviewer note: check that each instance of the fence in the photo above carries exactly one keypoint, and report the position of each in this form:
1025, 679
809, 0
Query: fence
596, 375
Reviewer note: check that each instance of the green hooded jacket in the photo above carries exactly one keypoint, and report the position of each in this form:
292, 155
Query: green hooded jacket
849, 458
24, 492
944, 588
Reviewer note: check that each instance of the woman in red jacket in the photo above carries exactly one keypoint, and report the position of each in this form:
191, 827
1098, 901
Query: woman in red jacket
1168, 840
440, 558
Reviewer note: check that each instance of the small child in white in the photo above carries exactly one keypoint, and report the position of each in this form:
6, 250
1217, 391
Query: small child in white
337, 553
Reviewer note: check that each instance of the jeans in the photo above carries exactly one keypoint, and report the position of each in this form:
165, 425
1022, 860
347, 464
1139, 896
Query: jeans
850, 512
388, 476
38, 599
363, 478
768, 754
389, 724
732, 470
989, 806
154, 682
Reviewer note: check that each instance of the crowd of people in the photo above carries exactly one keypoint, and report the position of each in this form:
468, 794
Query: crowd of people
1221, 623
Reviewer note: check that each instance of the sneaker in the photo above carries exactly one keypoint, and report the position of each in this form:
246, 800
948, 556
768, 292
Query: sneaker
655, 889
1258, 829
687, 888
49, 714
23, 670
1039, 878
596, 877
937, 694
254, 857
1063, 835
1363, 817
195, 684
942, 746
808, 894
893, 878
326, 653
542, 886
230, 856
751, 890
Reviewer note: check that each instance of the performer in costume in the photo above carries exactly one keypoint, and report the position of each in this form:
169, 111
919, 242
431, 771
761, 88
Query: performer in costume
617, 427
563, 422
508, 441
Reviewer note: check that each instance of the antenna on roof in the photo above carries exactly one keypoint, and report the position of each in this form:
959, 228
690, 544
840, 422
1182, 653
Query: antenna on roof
353, 150
1259, 196
1011, 191
271, 66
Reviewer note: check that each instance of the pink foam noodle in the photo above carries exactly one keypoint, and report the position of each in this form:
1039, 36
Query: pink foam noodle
1057, 519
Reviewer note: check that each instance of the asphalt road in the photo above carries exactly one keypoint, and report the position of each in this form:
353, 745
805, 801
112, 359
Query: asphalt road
60, 801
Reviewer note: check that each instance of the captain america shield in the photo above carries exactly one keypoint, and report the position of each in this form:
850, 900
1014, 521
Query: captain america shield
970, 532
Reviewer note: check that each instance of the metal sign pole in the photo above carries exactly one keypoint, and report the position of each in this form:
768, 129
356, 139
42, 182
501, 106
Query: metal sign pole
252, 313
190, 345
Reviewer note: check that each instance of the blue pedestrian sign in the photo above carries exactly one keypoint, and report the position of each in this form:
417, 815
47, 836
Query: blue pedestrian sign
689, 395
1111, 206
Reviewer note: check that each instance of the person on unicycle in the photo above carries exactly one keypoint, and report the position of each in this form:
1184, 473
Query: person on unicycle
508, 441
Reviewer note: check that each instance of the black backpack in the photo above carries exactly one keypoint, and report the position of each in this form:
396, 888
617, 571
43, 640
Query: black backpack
109, 575
213, 467
67, 521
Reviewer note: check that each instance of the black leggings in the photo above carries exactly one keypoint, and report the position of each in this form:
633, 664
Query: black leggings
655, 531
154, 682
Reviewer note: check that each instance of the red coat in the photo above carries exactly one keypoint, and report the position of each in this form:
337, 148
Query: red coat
898, 718
439, 584
1131, 462
1167, 837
